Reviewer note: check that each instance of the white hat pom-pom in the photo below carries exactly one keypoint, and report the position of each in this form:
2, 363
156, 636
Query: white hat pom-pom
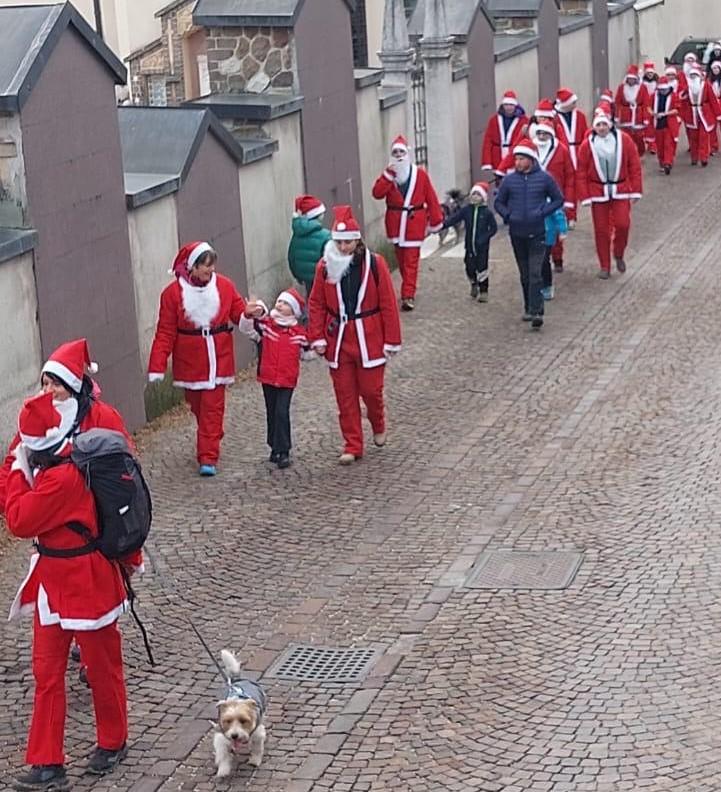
93, 368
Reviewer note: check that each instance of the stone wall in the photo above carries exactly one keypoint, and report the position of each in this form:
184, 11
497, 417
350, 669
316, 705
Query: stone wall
251, 59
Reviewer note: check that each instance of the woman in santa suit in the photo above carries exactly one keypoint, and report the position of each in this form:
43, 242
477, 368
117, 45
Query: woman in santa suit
197, 313
354, 321
72, 590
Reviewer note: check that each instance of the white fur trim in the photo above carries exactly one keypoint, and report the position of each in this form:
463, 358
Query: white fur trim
202, 248
48, 617
93, 368
526, 152
287, 297
509, 100
155, 376
200, 303
67, 376
319, 210
392, 348
340, 234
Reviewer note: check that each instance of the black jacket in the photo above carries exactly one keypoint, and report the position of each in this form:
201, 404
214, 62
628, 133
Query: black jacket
485, 225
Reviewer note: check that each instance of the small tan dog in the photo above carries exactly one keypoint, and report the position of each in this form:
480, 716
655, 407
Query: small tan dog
240, 719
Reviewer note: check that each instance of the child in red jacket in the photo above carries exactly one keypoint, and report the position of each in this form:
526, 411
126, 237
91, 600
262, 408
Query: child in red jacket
281, 345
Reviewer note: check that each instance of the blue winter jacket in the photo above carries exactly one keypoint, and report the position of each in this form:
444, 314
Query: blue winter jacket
524, 201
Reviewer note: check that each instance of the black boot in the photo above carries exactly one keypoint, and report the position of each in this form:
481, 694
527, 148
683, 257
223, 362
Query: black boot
42, 777
104, 761
283, 461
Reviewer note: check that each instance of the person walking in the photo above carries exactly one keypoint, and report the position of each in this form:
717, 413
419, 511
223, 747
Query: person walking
197, 313
308, 239
503, 131
412, 211
480, 226
650, 82
353, 321
700, 112
571, 127
609, 179
666, 124
632, 108
525, 198
72, 590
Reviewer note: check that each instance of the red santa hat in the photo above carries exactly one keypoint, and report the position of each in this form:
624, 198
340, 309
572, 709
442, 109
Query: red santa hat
632, 71
42, 425
543, 125
309, 206
345, 226
399, 142
671, 71
663, 82
188, 256
296, 302
606, 96
526, 148
602, 115
649, 68
70, 362
544, 109
565, 98
509, 97
716, 66
481, 188
690, 57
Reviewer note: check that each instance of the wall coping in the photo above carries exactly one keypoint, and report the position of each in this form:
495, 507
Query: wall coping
508, 45
15, 242
619, 7
391, 95
250, 107
642, 5
255, 149
569, 24
144, 188
461, 72
364, 78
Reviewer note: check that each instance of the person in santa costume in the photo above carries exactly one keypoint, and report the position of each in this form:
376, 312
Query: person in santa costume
282, 342
197, 313
633, 107
354, 321
412, 212
609, 179
714, 80
690, 61
700, 112
72, 590
650, 81
666, 123
571, 127
504, 129
308, 240
671, 74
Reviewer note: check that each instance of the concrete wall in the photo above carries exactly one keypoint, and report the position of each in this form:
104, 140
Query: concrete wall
153, 230
74, 178
622, 45
20, 354
459, 97
374, 28
521, 74
267, 191
576, 67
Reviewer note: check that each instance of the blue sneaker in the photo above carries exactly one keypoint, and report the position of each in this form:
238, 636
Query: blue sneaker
548, 293
207, 470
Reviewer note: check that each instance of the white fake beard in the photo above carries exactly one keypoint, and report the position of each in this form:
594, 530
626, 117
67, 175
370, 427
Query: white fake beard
200, 303
282, 319
403, 169
673, 84
336, 265
694, 88
687, 68
630, 92
544, 147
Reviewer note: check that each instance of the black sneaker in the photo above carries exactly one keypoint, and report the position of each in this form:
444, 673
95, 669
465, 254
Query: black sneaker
273, 457
620, 265
474, 291
537, 322
44, 777
558, 266
103, 761
75, 653
667, 169
283, 461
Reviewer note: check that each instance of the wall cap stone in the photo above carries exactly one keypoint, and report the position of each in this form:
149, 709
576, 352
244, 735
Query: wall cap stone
15, 242
391, 95
568, 24
507, 45
251, 107
367, 77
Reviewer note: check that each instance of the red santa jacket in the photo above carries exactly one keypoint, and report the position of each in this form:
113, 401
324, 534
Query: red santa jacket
99, 416
592, 184
85, 592
376, 325
280, 350
409, 218
194, 326
558, 164
497, 143
572, 134
632, 114
701, 111
672, 103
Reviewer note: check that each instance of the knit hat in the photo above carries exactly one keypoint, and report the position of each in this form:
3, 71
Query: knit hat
70, 362
481, 188
399, 142
544, 109
308, 206
188, 256
345, 226
564, 99
526, 148
296, 302
602, 115
43, 424
509, 97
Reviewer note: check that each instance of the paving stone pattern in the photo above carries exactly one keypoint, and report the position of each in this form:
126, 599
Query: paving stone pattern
600, 435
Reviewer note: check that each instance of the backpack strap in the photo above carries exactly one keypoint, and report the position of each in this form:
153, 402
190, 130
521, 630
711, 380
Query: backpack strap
70, 552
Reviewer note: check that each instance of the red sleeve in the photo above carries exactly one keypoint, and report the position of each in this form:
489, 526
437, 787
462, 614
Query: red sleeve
383, 185
435, 213
487, 150
635, 172
506, 165
32, 512
166, 331
5, 472
237, 307
317, 308
388, 304
584, 158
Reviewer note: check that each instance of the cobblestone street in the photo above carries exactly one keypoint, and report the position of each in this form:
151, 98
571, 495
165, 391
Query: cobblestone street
600, 434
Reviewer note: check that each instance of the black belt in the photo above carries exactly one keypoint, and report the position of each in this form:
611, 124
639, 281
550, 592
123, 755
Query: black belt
360, 315
406, 208
209, 331
70, 552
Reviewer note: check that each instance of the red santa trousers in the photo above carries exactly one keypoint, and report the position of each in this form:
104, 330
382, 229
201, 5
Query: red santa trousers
699, 141
611, 221
557, 252
208, 407
352, 383
665, 147
638, 137
103, 657
408, 259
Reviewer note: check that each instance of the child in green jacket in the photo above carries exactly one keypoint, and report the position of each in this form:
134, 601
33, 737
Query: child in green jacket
309, 239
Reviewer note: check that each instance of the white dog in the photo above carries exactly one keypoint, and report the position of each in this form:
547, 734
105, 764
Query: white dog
240, 719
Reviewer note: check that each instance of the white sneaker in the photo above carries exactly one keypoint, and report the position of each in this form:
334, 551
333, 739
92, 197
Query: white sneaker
346, 459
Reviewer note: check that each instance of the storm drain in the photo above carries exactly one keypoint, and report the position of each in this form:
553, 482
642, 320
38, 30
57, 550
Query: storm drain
323, 664
513, 569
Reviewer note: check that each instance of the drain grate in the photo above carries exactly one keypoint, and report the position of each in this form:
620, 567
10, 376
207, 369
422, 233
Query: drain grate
512, 569
323, 664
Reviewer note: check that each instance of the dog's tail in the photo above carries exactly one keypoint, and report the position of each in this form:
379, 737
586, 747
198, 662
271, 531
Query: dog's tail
230, 662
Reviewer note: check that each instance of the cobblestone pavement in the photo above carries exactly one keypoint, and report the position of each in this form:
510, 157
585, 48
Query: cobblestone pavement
599, 434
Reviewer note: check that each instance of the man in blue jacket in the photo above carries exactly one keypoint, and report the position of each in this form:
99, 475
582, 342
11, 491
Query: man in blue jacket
526, 197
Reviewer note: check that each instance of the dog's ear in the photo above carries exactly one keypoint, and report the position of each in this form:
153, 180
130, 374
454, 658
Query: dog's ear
253, 703
221, 704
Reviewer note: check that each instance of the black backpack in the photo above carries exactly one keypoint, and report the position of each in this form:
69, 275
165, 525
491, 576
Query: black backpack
122, 498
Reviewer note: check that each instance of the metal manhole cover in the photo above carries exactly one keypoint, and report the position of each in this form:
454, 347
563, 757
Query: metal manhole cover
512, 569
323, 664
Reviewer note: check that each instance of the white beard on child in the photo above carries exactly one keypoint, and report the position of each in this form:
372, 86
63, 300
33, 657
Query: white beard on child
402, 168
336, 264
282, 319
